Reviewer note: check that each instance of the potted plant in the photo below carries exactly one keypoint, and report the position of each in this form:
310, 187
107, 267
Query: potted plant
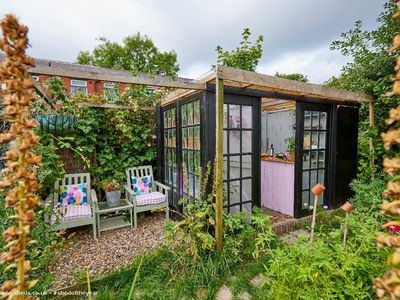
113, 192
59, 115
291, 142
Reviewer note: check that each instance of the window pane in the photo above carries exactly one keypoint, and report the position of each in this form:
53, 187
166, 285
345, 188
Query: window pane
314, 140
246, 189
197, 112
184, 115
246, 141
234, 141
322, 121
190, 113
197, 137
306, 160
246, 166
321, 176
304, 199
234, 167
322, 138
190, 138
307, 140
307, 119
313, 178
234, 116
234, 193
305, 179
321, 159
225, 172
225, 142
247, 116
225, 115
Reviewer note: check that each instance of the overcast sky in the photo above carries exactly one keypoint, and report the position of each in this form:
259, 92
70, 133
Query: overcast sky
297, 33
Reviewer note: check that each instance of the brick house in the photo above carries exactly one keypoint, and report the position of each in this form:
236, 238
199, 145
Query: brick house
88, 79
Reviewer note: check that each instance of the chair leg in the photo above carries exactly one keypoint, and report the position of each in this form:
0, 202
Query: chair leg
95, 229
167, 212
135, 218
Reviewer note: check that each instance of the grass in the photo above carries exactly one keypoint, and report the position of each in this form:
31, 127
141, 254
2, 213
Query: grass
164, 275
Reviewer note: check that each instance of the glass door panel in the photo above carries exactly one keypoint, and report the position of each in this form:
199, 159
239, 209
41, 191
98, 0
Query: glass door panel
238, 151
170, 164
191, 144
313, 152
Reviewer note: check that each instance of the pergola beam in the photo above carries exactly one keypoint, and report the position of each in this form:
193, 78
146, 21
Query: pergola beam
127, 79
289, 86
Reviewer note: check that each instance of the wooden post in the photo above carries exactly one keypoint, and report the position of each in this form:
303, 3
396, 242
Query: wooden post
219, 164
371, 143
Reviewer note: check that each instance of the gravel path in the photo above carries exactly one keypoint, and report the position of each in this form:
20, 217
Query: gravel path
113, 249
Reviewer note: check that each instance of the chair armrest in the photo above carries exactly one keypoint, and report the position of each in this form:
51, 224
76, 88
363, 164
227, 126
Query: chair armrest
131, 196
161, 186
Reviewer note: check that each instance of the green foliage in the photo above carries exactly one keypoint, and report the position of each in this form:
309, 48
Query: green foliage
293, 76
245, 57
196, 229
369, 72
42, 251
325, 269
137, 54
57, 92
106, 141
368, 196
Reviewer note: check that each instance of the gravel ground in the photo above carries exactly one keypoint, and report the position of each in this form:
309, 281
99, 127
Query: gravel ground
113, 249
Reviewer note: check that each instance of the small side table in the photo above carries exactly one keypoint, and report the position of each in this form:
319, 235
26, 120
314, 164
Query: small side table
113, 222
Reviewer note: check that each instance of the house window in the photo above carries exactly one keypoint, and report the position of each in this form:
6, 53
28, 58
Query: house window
35, 77
78, 86
110, 89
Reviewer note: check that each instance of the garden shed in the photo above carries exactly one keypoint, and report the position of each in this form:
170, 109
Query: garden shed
253, 120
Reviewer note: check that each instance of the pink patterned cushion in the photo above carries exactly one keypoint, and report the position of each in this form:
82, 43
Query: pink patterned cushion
72, 212
150, 198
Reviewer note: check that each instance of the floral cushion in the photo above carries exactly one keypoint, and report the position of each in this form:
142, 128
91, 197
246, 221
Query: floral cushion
74, 194
142, 185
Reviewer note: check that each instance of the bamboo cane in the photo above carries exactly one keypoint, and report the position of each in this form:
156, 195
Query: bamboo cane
313, 219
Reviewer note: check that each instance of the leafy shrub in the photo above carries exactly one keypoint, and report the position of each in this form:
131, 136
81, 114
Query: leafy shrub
42, 250
368, 195
196, 229
327, 269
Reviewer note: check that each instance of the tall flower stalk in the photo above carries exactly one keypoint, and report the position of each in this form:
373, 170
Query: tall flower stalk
388, 286
19, 177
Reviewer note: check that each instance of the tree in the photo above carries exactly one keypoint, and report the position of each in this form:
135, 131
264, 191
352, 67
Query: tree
137, 54
293, 76
369, 72
245, 57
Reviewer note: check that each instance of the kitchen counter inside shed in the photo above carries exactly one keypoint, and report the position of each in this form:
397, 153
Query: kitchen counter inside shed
277, 185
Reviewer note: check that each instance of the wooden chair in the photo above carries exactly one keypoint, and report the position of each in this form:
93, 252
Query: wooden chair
67, 220
139, 204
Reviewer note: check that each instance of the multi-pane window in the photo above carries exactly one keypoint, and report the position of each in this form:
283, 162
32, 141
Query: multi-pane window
170, 165
190, 118
78, 87
314, 154
110, 89
238, 152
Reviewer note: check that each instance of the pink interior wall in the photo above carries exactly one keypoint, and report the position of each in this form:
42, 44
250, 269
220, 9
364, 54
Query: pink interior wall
277, 186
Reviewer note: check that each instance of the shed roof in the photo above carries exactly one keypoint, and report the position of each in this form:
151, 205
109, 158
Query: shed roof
262, 82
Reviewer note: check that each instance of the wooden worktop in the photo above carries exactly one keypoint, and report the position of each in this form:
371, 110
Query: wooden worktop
279, 160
